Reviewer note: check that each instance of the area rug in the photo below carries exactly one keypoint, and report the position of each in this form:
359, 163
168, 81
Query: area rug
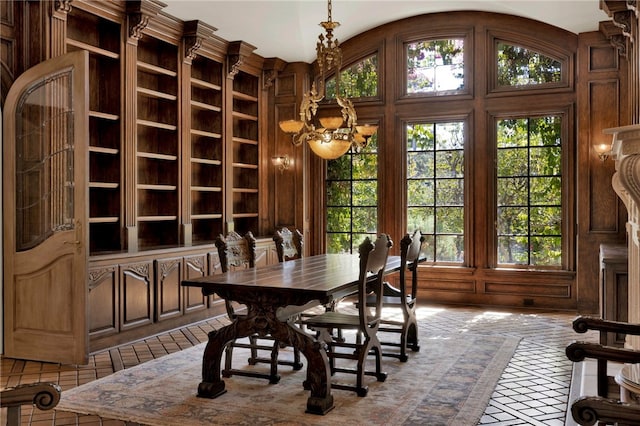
448, 382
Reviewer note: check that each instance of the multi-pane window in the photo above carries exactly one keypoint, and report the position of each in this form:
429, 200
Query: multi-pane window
352, 199
435, 187
529, 191
435, 66
518, 66
358, 81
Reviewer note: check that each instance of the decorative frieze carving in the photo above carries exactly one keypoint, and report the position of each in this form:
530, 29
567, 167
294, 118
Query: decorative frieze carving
97, 275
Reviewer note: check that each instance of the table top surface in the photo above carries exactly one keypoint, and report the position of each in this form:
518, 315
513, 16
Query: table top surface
323, 274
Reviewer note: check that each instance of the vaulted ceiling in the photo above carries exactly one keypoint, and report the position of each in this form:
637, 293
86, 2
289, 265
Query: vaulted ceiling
288, 29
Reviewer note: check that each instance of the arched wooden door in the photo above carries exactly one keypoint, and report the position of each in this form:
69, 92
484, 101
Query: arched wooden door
46, 212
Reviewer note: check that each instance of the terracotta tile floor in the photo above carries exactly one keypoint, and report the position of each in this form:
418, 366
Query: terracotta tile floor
533, 389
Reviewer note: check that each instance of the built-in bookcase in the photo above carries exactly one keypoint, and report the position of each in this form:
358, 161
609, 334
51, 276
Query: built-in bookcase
206, 150
245, 152
101, 38
157, 144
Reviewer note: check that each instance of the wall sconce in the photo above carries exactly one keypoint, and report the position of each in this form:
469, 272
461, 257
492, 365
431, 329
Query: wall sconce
282, 162
603, 150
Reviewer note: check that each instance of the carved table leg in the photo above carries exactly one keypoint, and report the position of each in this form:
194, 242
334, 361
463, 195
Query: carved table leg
212, 385
318, 373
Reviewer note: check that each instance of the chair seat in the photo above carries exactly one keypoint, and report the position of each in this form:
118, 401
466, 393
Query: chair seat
333, 319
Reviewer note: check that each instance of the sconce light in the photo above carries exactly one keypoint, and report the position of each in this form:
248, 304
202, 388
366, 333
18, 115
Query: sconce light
282, 162
603, 150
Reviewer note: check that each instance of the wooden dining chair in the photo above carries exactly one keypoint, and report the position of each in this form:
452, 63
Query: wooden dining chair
236, 251
365, 323
288, 247
403, 298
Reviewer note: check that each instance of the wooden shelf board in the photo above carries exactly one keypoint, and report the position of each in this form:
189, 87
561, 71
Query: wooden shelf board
156, 124
156, 218
244, 96
103, 150
205, 84
245, 166
206, 188
244, 215
104, 185
244, 116
205, 106
104, 115
243, 140
153, 187
156, 94
206, 216
155, 69
206, 161
245, 190
157, 156
205, 133
93, 49
103, 219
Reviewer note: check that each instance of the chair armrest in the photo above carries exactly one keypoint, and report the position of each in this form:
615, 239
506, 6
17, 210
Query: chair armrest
584, 324
578, 351
588, 410
44, 395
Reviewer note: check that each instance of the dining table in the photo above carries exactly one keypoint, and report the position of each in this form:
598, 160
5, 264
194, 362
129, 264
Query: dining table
273, 294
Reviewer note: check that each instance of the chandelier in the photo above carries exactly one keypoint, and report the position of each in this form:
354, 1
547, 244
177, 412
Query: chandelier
328, 137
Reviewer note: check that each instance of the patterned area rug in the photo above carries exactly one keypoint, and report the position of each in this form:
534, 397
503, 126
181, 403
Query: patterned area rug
448, 382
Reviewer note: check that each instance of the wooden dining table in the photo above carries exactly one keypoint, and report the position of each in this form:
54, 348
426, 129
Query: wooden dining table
272, 294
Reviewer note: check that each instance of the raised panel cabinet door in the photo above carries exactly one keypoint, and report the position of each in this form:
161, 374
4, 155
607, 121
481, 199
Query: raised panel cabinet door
168, 289
136, 294
195, 266
103, 301
46, 212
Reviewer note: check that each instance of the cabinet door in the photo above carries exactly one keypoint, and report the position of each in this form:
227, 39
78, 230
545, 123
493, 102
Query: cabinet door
168, 290
136, 294
195, 266
46, 215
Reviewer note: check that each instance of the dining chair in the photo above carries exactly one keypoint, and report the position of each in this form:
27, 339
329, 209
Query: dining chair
365, 323
288, 247
236, 251
403, 298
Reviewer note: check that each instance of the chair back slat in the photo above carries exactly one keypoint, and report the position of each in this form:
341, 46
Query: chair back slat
236, 251
373, 259
288, 244
410, 247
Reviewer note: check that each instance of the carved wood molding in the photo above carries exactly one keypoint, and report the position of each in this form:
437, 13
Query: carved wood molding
623, 25
272, 66
237, 52
139, 13
195, 33
97, 275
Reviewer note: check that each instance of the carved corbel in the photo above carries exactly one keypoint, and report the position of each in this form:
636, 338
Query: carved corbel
236, 54
272, 66
623, 20
614, 34
62, 6
139, 13
195, 32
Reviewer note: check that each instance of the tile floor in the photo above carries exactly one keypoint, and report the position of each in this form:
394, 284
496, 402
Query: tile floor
533, 389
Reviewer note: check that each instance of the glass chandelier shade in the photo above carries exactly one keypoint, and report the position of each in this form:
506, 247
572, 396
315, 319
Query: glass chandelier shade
328, 137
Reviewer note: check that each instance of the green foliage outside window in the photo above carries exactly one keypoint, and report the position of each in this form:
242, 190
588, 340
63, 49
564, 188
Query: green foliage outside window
357, 81
435, 187
529, 191
352, 199
435, 66
518, 66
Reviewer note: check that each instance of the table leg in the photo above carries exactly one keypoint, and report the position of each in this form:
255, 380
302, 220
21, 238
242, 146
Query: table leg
318, 372
212, 385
